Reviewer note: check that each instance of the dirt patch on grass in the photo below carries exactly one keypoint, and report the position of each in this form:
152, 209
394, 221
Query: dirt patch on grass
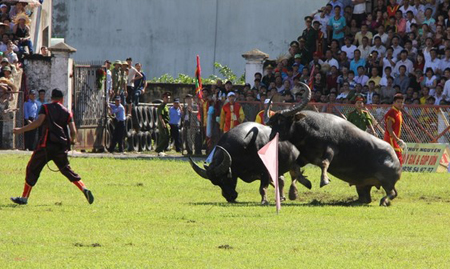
434, 199
225, 247
93, 245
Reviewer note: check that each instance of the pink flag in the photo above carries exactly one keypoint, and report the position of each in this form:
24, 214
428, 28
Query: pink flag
269, 156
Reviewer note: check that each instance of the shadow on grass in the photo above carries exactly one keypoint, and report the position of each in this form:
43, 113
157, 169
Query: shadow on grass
312, 203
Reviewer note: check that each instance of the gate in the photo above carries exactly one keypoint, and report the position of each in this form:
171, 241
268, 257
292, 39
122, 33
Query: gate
89, 108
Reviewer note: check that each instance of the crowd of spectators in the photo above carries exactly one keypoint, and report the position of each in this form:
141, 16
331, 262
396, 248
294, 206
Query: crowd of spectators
401, 46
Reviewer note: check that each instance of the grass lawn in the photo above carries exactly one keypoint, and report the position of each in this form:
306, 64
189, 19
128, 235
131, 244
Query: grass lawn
160, 214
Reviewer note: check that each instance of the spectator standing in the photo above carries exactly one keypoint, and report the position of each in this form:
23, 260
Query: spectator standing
393, 125
260, 116
191, 125
175, 122
119, 111
349, 48
108, 91
163, 125
403, 61
132, 75
337, 25
41, 99
231, 115
140, 84
357, 61
360, 117
116, 76
30, 114
269, 77
402, 79
359, 10
310, 35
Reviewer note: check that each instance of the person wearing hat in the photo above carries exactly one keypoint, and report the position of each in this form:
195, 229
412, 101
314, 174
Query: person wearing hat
306, 54
175, 124
310, 35
260, 116
269, 76
163, 125
117, 137
30, 112
21, 30
360, 117
191, 125
116, 77
58, 132
393, 125
231, 114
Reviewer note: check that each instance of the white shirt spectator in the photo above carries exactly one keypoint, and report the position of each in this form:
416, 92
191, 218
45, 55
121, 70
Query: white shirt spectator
446, 92
365, 51
361, 79
381, 50
409, 67
359, 8
350, 51
387, 63
131, 73
410, 8
383, 37
408, 24
383, 81
397, 51
324, 22
332, 62
426, 54
433, 64
444, 64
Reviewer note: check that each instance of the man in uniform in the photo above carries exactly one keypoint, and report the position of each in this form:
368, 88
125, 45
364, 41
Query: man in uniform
231, 115
119, 111
163, 125
360, 117
310, 35
30, 114
393, 126
116, 76
53, 146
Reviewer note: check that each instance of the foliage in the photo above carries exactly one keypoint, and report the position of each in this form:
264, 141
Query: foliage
100, 76
160, 214
224, 70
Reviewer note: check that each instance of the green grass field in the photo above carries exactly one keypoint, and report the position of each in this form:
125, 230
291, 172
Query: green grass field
160, 214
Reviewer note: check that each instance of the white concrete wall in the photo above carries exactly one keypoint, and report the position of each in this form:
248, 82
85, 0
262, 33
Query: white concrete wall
167, 35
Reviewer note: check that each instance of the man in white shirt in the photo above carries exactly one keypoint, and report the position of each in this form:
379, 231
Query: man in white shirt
397, 48
383, 36
433, 63
349, 48
404, 61
446, 93
445, 62
330, 60
389, 60
407, 7
365, 48
109, 91
409, 20
378, 47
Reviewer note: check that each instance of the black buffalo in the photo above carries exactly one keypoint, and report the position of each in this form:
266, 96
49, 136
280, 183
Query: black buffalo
340, 148
236, 156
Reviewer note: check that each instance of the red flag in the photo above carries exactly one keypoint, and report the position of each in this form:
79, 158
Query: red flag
269, 156
198, 80
311, 77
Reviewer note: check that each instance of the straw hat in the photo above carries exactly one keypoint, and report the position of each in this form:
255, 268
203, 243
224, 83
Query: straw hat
22, 16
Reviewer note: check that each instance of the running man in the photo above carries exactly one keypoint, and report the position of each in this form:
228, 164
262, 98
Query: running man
54, 143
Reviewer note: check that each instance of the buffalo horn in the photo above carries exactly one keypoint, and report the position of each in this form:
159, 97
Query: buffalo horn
200, 171
224, 167
306, 97
267, 111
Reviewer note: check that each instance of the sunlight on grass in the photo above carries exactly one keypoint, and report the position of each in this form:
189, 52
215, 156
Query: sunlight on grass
160, 214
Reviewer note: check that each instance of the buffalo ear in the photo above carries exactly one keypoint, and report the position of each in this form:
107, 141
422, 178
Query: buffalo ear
299, 116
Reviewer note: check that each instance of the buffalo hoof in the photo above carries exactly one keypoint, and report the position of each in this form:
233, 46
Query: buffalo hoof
385, 201
264, 202
324, 183
293, 193
282, 198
